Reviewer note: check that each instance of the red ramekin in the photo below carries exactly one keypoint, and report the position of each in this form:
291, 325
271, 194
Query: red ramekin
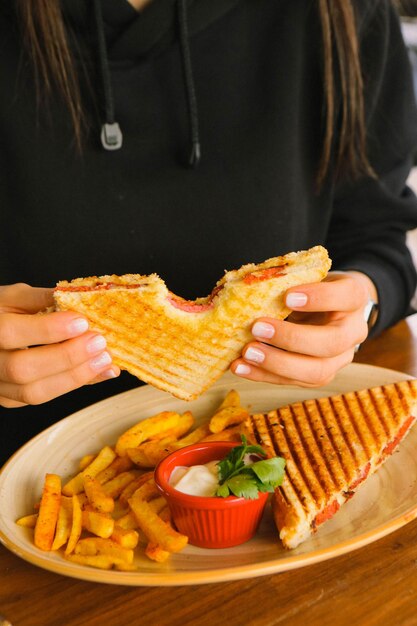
208, 522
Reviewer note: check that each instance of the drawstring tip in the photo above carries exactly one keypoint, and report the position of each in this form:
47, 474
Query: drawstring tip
195, 155
111, 136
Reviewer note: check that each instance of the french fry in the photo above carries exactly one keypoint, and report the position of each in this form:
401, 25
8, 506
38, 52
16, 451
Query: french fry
115, 486
64, 523
185, 422
156, 553
119, 465
147, 491
76, 527
157, 504
98, 524
150, 453
156, 530
194, 436
229, 413
48, 512
96, 495
85, 461
150, 427
27, 521
101, 561
131, 487
128, 521
124, 537
96, 545
100, 462
229, 434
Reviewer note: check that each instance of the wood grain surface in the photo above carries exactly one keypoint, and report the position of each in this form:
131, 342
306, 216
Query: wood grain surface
373, 586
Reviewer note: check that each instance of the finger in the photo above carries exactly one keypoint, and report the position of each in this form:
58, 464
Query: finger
25, 366
22, 298
321, 341
10, 404
338, 293
46, 389
20, 330
301, 369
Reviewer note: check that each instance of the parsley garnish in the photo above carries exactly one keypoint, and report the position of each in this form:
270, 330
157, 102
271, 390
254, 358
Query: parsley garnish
247, 480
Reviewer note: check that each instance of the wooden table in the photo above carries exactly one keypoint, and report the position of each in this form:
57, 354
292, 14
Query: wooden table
371, 586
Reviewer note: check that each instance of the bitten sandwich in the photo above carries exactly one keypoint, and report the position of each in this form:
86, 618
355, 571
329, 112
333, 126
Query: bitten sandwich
331, 446
184, 346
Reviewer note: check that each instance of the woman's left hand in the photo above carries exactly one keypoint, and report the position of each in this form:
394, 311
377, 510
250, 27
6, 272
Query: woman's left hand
316, 340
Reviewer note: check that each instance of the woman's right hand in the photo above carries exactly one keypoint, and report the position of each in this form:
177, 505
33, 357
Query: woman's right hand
45, 356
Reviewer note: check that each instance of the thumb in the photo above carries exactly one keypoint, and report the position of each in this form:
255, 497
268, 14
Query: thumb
22, 298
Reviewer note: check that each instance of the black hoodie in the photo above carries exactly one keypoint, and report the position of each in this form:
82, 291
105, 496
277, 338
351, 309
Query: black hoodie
245, 87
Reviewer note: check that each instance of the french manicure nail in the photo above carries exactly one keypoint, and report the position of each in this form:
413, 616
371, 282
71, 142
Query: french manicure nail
101, 361
108, 374
77, 326
96, 344
254, 355
294, 300
263, 330
242, 369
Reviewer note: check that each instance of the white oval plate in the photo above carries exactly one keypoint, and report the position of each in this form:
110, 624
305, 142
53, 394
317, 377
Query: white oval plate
387, 501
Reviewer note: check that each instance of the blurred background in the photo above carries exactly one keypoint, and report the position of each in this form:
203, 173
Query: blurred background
408, 13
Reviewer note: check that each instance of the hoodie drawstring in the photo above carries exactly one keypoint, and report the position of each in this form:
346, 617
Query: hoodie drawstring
195, 153
111, 135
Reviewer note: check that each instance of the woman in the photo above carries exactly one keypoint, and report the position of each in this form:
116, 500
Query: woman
189, 137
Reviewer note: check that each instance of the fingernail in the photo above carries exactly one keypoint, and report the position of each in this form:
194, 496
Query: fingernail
263, 330
108, 374
254, 355
242, 369
295, 300
77, 326
96, 344
100, 361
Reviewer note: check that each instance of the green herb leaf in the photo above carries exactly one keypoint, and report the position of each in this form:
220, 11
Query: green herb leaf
244, 486
270, 470
246, 480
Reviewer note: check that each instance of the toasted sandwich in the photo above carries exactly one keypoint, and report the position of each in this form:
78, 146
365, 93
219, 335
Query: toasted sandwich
183, 346
331, 446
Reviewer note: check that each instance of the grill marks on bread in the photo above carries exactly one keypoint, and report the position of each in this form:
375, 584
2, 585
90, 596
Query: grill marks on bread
330, 446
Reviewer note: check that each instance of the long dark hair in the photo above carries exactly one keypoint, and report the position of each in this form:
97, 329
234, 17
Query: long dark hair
47, 43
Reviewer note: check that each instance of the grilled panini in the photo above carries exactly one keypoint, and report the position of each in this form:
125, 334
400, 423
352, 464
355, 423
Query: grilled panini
331, 446
184, 346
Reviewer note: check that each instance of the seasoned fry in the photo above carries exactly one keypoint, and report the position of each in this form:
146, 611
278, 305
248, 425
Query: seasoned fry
101, 561
229, 434
96, 545
27, 521
155, 529
128, 521
151, 427
85, 461
101, 461
146, 491
64, 524
229, 413
156, 553
76, 525
124, 537
149, 454
115, 486
119, 465
98, 524
194, 436
96, 495
131, 487
48, 512
185, 422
